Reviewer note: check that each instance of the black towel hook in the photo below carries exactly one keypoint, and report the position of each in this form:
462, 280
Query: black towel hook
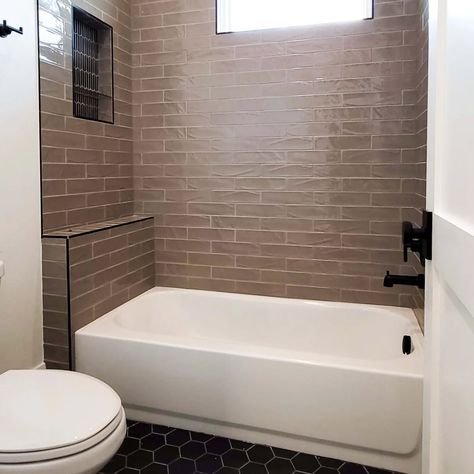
6, 30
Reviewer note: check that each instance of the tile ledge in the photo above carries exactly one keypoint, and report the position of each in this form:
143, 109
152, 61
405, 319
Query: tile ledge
75, 231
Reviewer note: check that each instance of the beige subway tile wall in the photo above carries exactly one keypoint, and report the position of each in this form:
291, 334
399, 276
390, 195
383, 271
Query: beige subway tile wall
280, 162
275, 162
87, 272
55, 304
108, 268
87, 172
417, 184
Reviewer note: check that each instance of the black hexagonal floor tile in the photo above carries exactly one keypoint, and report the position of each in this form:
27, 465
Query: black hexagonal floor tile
161, 429
166, 454
374, 470
305, 463
350, 468
280, 466
182, 466
209, 463
218, 445
201, 436
253, 468
129, 445
156, 449
178, 437
116, 463
260, 454
139, 430
284, 453
193, 450
227, 470
235, 458
152, 442
155, 469
329, 462
139, 459
326, 470
235, 443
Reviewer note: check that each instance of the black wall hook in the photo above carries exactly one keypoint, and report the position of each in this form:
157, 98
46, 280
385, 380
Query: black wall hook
6, 30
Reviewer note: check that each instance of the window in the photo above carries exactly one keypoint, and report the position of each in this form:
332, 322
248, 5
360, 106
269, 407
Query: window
245, 15
92, 69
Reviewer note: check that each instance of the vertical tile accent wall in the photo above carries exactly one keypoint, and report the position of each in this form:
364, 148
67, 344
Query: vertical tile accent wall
89, 271
279, 162
87, 166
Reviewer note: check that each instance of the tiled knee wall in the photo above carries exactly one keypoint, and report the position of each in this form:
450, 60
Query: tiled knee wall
88, 272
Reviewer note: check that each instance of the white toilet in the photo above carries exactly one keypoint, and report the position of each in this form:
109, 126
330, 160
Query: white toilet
57, 422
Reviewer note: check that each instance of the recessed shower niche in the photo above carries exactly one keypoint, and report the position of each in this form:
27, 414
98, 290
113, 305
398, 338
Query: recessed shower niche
92, 55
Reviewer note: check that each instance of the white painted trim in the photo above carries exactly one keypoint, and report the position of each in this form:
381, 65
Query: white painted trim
457, 249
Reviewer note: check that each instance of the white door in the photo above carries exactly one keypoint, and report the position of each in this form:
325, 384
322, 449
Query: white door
449, 388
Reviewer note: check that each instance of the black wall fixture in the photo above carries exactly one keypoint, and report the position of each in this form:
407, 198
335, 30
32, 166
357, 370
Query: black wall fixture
6, 30
407, 280
418, 240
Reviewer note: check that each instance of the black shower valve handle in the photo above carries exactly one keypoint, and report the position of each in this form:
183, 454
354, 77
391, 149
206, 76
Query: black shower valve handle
418, 240
411, 239
406, 243
407, 237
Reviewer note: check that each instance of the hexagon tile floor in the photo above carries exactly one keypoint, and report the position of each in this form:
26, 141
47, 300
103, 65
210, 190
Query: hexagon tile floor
153, 449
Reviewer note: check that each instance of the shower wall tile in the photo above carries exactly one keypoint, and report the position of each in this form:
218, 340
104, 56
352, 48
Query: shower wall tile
87, 272
417, 182
55, 304
275, 162
280, 162
87, 172
108, 268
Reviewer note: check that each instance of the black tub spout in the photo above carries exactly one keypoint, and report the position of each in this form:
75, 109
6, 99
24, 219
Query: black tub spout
391, 280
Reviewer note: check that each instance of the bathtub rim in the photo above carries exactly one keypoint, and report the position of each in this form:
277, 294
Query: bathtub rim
403, 366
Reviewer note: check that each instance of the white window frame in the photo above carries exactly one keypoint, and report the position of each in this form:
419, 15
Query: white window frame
230, 13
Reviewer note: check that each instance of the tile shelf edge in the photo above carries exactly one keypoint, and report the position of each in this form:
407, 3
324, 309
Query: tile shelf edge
76, 231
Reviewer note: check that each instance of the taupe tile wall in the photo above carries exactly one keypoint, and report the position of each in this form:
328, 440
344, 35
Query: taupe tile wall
86, 166
55, 303
87, 273
108, 268
418, 184
278, 162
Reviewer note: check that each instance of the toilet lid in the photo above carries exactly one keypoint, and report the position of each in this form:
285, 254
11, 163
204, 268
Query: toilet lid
48, 409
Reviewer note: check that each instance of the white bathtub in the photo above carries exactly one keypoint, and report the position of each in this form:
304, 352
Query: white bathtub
323, 378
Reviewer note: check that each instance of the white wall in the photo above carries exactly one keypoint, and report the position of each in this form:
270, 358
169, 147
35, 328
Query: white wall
20, 234
449, 336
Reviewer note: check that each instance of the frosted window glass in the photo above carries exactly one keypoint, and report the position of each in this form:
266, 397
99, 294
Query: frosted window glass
246, 15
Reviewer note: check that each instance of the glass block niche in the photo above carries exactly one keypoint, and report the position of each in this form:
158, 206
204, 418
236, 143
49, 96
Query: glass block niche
92, 68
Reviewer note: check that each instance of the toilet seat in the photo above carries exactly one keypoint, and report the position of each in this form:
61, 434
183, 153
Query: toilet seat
50, 454
50, 414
